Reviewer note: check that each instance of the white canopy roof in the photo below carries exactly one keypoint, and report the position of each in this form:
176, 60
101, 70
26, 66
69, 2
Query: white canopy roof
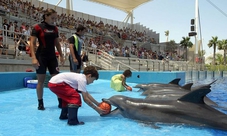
125, 5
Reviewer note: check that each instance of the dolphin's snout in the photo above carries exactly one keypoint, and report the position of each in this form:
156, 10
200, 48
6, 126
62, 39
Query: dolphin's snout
106, 100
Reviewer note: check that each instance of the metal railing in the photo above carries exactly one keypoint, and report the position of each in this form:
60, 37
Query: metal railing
192, 76
110, 62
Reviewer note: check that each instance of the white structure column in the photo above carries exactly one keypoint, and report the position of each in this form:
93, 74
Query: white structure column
196, 26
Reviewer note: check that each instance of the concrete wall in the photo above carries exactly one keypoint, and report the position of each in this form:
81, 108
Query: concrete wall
14, 65
146, 77
15, 80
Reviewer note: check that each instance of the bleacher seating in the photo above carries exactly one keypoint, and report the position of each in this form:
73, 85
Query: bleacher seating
116, 36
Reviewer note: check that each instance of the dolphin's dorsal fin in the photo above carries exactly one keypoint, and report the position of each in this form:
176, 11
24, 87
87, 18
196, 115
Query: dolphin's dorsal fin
195, 96
187, 86
175, 81
213, 82
201, 87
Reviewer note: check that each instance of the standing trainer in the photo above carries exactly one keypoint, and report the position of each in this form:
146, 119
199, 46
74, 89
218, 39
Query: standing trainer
75, 45
44, 57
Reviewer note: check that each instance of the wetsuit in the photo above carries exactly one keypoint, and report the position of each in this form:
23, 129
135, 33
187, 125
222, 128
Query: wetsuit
45, 52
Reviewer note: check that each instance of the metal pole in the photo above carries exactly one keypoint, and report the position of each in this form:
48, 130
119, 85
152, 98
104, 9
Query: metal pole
221, 74
196, 28
198, 76
147, 64
205, 74
139, 64
128, 61
96, 54
163, 67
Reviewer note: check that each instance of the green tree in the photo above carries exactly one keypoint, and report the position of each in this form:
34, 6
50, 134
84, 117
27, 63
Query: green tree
167, 35
186, 43
222, 45
218, 58
201, 53
213, 43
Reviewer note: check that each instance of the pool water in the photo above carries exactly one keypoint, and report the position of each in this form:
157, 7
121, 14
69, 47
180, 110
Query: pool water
19, 115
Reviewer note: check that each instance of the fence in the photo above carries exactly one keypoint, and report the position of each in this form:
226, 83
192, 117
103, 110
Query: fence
192, 76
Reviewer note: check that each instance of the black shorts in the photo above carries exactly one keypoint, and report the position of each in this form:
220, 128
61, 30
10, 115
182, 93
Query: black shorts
50, 63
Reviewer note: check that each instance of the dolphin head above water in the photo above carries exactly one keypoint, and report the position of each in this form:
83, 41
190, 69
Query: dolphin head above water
189, 109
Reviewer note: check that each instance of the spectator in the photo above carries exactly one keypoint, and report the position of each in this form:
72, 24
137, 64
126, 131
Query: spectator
21, 46
27, 31
23, 25
6, 27
1, 36
1, 47
11, 29
84, 58
28, 47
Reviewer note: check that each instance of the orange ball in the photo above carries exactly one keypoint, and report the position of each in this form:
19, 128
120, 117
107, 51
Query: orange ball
105, 106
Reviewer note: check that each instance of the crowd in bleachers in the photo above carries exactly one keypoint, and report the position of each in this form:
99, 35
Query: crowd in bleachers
17, 29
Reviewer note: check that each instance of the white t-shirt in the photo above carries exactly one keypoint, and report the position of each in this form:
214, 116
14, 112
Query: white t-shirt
75, 80
93, 45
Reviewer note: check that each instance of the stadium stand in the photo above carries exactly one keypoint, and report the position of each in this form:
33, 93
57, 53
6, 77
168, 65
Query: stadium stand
110, 38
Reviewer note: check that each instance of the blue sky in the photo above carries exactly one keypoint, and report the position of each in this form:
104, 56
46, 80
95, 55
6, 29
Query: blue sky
163, 15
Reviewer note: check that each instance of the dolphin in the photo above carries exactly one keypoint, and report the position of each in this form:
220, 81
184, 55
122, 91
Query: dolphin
176, 96
188, 86
175, 93
153, 90
174, 83
174, 90
189, 109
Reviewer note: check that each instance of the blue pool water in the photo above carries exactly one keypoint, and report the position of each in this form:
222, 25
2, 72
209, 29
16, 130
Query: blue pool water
19, 115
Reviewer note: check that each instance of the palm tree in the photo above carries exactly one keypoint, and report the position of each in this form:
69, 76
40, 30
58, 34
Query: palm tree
186, 43
222, 45
213, 43
201, 53
218, 58
167, 35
